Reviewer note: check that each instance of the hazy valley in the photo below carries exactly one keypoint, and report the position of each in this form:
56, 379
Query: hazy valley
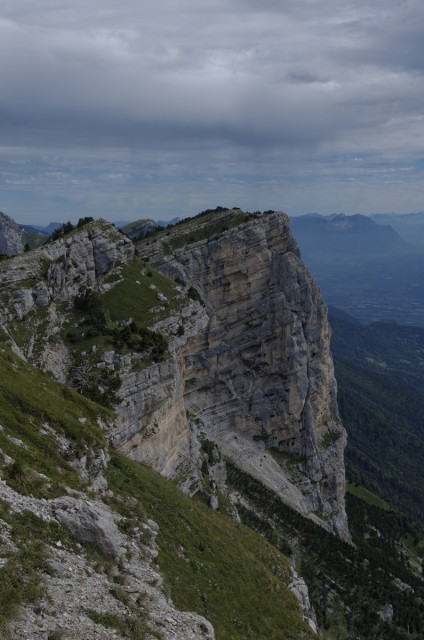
369, 270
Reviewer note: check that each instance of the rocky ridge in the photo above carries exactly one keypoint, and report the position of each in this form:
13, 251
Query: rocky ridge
248, 366
11, 242
140, 229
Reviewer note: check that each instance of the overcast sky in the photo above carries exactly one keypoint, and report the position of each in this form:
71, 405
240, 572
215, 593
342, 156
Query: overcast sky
158, 108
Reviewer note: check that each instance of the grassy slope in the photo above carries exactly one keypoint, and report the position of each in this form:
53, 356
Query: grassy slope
32, 408
30, 404
368, 497
136, 296
211, 564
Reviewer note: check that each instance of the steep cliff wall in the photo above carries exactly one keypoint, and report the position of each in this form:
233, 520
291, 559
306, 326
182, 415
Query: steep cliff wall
258, 379
10, 236
151, 420
248, 369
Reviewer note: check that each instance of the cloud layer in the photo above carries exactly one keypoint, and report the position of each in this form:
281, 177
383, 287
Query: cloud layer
163, 107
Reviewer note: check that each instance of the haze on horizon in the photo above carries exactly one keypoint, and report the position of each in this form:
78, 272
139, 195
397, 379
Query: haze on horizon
158, 109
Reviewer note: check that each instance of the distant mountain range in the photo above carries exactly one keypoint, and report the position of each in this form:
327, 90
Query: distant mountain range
47, 230
345, 237
366, 269
410, 226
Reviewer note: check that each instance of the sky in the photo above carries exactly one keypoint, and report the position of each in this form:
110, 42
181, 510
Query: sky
156, 108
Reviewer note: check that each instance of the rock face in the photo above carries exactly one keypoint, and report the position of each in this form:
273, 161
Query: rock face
258, 378
249, 368
152, 425
89, 524
141, 228
59, 270
300, 590
10, 237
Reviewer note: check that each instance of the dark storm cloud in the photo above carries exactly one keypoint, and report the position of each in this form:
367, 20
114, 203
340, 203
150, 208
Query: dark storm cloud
231, 78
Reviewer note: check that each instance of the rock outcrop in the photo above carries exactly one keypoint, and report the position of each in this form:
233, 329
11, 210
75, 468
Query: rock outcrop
58, 270
258, 378
301, 591
74, 587
10, 237
141, 229
249, 367
90, 525
53, 274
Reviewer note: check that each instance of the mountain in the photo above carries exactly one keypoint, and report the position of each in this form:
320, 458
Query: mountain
363, 268
161, 223
203, 354
410, 226
344, 238
10, 237
48, 229
159, 358
110, 325
32, 237
140, 228
31, 229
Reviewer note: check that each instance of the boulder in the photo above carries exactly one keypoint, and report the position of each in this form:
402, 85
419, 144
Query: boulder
89, 524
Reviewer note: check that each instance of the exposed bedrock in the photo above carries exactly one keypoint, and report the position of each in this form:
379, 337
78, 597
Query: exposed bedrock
256, 378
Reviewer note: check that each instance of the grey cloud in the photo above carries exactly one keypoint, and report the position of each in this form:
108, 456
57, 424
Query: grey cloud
224, 78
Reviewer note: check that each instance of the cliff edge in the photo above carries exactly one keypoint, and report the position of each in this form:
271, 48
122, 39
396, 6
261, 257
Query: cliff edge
212, 346
258, 377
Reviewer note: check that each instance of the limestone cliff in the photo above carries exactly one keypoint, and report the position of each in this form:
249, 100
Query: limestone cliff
257, 378
10, 236
248, 369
